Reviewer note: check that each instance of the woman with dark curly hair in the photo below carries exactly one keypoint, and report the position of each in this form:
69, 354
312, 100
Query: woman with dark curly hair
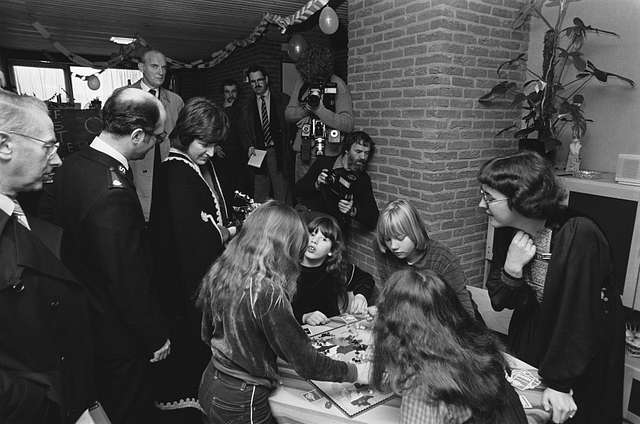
248, 321
446, 366
328, 285
556, 274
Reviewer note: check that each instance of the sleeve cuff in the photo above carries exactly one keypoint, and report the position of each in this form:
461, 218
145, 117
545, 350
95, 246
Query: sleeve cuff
510, 280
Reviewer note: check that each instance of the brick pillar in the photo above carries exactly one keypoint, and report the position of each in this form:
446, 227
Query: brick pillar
416, 70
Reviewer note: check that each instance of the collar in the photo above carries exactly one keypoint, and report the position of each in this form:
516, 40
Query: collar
108, 150
267, 96
6, 204
145, 87
340, 162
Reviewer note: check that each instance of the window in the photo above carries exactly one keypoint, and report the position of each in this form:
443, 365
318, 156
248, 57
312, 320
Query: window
59, 82
45, 83
109, 81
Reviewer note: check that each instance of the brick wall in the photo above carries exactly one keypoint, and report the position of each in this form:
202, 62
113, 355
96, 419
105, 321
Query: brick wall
416, 70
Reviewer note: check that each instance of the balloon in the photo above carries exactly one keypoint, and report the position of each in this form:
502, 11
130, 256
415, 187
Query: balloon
93, 82
329, 21
297, 44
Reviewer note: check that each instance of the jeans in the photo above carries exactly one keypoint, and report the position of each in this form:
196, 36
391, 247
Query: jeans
228, 400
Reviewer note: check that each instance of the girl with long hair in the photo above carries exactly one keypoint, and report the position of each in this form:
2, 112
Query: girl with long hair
446, 366
248, 321
402, 242
328, 285
555, 271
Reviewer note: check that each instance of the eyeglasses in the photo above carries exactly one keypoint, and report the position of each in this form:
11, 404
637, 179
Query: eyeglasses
488, 199
51, 147
256, 81
159, 138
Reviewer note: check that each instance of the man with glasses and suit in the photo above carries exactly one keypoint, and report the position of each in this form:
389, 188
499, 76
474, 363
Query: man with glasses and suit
105, 244
263, 127
46, 350
153, 66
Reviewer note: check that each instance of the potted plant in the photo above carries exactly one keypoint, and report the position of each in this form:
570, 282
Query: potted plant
551, 99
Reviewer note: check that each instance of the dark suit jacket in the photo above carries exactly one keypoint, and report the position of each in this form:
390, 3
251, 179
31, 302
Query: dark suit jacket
46, 348
106, 245
251, 133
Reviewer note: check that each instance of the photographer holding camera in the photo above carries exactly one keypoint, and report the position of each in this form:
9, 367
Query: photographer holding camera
321, 108
340, 186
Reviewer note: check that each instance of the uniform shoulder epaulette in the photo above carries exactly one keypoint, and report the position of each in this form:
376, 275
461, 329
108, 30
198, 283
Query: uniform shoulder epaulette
117, 177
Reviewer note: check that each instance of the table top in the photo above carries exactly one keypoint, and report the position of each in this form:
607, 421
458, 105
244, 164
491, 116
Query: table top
290, 406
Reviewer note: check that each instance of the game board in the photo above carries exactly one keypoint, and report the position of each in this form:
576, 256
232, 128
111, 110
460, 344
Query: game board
351, 343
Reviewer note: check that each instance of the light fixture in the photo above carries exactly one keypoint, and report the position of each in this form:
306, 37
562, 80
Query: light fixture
122, 40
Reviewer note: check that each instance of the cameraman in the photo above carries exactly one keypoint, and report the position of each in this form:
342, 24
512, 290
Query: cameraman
341, 186
335, 110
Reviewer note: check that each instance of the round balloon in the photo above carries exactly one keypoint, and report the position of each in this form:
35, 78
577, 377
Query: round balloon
297, 44
93, 82
329, 20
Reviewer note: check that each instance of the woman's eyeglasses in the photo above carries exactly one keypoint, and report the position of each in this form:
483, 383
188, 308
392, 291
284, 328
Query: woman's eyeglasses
488, 199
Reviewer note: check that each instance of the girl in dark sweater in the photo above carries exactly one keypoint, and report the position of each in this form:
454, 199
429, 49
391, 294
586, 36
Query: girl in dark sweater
327, 285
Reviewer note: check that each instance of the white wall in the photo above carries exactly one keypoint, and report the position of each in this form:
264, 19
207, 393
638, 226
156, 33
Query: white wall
613, 106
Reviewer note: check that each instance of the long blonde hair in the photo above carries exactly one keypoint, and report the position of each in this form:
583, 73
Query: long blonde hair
264, 255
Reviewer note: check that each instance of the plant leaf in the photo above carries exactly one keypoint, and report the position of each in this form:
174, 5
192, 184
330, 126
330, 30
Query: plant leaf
604, 75
505, 130
520, 58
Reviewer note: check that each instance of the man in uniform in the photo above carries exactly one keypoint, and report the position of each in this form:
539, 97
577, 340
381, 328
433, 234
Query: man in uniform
105, 244
46, 373
153, 66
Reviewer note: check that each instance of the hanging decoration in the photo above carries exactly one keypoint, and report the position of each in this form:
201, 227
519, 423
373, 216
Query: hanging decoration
297, 45
328, 20
284, 22
93, 82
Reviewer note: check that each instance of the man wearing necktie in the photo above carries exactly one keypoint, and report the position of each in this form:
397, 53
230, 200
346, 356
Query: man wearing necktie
46, 343
106, 245
266, 129
153, 66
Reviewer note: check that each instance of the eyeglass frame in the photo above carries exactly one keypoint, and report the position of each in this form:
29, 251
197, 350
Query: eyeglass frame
162, 136
487, 201
52, 147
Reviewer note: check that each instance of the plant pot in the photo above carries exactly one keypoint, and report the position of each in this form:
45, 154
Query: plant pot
537, 146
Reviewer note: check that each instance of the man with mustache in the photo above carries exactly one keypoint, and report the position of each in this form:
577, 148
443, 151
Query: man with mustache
340, 186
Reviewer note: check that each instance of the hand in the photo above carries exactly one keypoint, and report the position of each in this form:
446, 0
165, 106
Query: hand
162, 353
364, 370
252, 151
561, 405
372, 310
322, 178
521, 251
233, 230
359, 305
219, 151
345, 206
314, 318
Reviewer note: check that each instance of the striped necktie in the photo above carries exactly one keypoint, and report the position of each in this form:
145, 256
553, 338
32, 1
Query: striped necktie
266, 126
20, 216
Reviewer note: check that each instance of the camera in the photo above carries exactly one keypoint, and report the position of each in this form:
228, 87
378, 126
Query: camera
323, 91
339, 184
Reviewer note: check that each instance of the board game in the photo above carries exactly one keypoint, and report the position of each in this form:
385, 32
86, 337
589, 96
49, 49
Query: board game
350, 343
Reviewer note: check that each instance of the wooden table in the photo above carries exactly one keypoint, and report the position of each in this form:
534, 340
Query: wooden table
290, 407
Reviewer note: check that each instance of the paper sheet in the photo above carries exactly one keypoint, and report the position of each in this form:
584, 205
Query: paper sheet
257, 158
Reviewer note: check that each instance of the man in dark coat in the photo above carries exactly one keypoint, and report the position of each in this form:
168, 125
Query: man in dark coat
105, 244
45, 335
340, 186
266, 129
